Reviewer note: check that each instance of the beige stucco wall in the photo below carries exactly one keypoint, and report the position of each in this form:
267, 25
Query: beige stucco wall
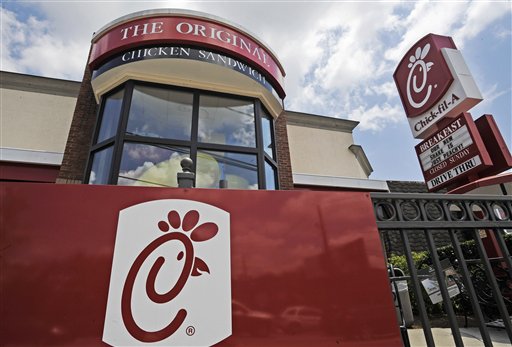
322, 152
35, 121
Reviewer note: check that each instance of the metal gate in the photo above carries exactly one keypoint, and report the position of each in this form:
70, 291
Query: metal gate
461, 241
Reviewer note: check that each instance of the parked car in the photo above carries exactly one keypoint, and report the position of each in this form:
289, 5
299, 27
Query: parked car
254, 322
297, 319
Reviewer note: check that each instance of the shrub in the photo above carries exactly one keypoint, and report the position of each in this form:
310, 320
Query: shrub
423, 260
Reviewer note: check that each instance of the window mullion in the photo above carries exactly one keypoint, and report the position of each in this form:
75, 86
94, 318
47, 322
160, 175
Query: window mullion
226, 148
274, 160
156, 141
93, 145
259, 145
121, 130
194, 130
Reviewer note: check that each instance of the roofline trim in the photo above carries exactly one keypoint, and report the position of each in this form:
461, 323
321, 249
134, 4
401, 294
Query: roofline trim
320, 122
340, 182
28, 156
39, 84
361, 158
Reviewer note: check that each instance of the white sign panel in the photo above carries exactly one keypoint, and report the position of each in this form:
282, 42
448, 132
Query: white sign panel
452, 144
431, 283
462, 95
453, 173
170, 283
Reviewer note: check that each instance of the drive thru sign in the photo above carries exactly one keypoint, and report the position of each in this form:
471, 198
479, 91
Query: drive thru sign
453, 152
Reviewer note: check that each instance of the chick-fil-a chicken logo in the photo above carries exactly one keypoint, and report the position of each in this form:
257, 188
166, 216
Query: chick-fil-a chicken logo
417, 63
170, 282
422, 76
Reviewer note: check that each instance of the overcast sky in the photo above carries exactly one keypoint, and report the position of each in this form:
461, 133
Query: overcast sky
339, 56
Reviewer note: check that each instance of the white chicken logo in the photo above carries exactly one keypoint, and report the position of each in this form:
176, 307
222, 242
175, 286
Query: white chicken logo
171, 280
419, 68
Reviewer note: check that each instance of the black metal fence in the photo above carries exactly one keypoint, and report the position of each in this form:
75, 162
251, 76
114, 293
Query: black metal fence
475, 271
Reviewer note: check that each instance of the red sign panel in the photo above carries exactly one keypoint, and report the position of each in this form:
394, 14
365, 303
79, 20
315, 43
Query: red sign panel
89, 265
452, 153
187, 31
422, 76
495, 145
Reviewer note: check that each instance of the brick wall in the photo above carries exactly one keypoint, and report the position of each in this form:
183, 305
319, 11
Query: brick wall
80, 134
283, 153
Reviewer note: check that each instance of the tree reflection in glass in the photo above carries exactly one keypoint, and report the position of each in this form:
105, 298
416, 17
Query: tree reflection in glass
151, 165
161, 113
238, 170
226, 121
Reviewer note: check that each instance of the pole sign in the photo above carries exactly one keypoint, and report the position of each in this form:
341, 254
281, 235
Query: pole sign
495, 144
434, 83
452, 153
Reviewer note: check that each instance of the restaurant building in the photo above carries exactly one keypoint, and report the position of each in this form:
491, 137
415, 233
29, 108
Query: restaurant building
242, 263
162, 85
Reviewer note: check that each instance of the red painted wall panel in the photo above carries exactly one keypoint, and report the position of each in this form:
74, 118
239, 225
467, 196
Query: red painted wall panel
495, 145
315, 249
28, 172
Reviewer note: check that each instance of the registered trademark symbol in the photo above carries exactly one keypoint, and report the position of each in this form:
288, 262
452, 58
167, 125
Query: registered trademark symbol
190, 330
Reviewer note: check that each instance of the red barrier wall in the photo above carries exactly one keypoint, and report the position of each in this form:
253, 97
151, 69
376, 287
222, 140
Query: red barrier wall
316, 250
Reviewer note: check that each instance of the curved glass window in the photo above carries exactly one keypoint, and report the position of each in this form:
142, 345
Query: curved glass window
100, 170
150, 165
226, 170
157, 112
226, 121
229, 138
270, 176
267, 134
110, 116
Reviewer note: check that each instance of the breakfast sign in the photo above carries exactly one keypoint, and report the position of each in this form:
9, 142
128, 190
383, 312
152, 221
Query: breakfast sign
437, 90
455, 151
